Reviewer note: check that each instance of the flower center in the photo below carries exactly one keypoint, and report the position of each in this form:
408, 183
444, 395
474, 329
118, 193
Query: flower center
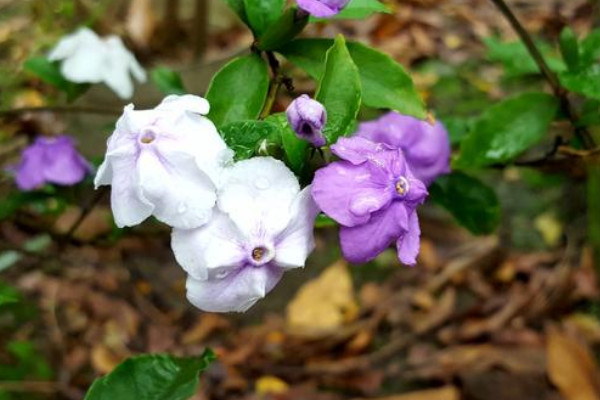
258, 253
306, 129
148, 136
402, 186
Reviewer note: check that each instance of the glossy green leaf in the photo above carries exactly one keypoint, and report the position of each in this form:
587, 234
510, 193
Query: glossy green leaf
358, 9
283, 30
507, 129
238, 91
384, 82
49, 72
473, 204
569, 48
339, 91
239, 8
585, 81
262, 13
248, 138
295, 148
517, 61
167, 81
590, 49
151, 377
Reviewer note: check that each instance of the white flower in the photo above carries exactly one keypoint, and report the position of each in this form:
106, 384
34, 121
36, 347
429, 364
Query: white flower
263, 226
164, 162
87, 58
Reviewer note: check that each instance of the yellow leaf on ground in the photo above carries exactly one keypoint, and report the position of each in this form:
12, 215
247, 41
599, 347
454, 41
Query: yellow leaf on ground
571, 368
270, 385
323, 305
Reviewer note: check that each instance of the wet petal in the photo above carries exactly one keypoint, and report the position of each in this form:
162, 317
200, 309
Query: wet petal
408, 244
238, 291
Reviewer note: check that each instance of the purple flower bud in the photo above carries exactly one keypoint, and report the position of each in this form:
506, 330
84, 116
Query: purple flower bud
322, 8
50, 160
425, 144
372, 193
307, 118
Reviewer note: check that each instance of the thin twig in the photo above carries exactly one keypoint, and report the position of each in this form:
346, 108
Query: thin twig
559, 91
85, 212
62, 110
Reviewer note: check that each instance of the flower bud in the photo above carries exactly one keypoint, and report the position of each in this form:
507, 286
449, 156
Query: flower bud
322, 8
307, 118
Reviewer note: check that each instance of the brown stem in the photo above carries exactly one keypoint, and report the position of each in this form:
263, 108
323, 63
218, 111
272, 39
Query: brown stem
85, 212
62, 110
560, 92
200, 33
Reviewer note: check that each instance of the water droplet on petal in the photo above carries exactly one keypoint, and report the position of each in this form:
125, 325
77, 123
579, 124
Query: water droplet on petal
262, 183
221, 275
182, 208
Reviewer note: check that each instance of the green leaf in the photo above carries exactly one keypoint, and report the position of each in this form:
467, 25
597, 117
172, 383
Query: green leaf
585, 82
590, 49
8, 295
248, 138
239, 8
339, 91
517, 61
385, 83
238, 91
167, 81
294, 147
569, 48
473, 204
151, 377
458, 128
507, 129
49, 72
262, 13
283, 30
358, 9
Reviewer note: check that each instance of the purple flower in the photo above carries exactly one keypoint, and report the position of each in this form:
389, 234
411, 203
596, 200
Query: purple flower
426, 146
373, 195
322, 8
307, 118
50, 160
262, 227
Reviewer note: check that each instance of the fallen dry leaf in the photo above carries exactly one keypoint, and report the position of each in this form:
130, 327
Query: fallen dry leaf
324, 304
270, 385
572, 368
444, 393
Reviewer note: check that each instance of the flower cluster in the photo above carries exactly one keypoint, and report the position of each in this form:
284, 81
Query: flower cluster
236, 227
381, 178
87, 58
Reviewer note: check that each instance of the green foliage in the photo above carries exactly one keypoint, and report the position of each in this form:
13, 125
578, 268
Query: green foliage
359, 9
385, 83
262, 13
8, 295
248, 138
283, 30
151, 377
238, 91
167, 81
29, 363
507, 129
585, 81
569, 48
339, 91
458, 128
517, 61
49, 72
239, 8
473, 204
295, 148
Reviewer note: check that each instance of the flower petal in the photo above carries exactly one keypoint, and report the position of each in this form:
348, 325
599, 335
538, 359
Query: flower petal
257, 195
188, 102
182, 195
356, 149
296, 242
128, 204
238, 291
364, 242
218, 245
408, 244
347, 192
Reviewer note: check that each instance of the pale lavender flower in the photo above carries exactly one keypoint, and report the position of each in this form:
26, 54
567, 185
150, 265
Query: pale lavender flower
425, 144
322, 8
50, 160
164, 162
307, 117
262, 228
372, 193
